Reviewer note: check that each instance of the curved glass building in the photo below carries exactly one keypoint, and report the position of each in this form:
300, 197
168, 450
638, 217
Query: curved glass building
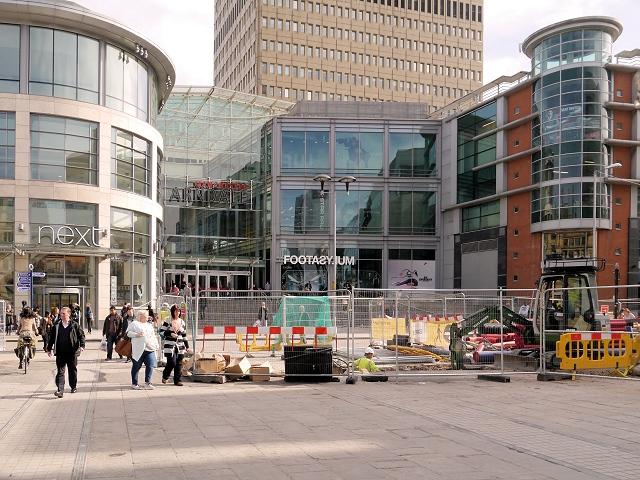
79, 156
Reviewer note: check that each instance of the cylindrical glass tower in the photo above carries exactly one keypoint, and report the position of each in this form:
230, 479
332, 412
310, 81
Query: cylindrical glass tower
570, 90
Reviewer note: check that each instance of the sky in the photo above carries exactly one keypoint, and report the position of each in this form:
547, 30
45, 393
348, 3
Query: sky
184, 29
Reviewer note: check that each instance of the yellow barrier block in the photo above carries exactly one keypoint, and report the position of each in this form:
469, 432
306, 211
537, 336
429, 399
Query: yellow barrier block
385, 328
253, 346
598, 351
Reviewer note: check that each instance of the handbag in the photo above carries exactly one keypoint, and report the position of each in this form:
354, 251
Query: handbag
123, 347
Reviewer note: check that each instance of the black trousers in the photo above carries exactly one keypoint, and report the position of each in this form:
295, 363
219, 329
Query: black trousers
64, 361
174, 362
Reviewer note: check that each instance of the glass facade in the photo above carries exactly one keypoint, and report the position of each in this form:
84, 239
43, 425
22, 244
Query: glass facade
127, 86
64, 150
303, 211
359, 153
59, 214
305, 152
412, 155
412, 213
63, 64
572, 127
473, 185
478, 217
360, 212
130, 163
7, 145
9, 58
131, 235
572, 47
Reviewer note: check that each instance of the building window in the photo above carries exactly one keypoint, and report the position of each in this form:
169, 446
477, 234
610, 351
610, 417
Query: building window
515, 278
618, 226
63, 64
516, 110
306, 151
126, 83
412, 213
7, 144
618, 251
130, 163
515, 209
7, 219
618, 93
618, 201
478, 217
516, 175
516, 143
360, 212
10, 58
515, 255
618, 126
359, 153
515, 233
130, 234
412, 155
64, 150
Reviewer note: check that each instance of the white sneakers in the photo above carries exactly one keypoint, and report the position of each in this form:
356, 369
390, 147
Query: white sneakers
135, 387
147, 386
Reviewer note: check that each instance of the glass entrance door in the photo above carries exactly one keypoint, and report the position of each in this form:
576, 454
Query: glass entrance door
63, 297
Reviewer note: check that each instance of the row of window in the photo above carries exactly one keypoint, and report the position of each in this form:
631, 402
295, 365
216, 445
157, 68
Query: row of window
572, 47
332, 54
325, 75
448, 8
66, 150
301, 27
67, 65
409, 212
569, 200
394, 85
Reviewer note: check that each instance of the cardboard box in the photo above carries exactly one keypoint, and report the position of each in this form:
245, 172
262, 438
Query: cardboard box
216, 364
239, 367
188, 365
265, 368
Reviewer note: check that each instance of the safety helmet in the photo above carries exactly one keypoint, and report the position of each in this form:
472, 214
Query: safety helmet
368, 350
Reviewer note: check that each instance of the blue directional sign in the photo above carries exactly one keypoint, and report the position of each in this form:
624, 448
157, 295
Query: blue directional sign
39, 274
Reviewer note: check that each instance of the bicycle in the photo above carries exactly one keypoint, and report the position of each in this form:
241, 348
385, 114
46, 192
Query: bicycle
26, 352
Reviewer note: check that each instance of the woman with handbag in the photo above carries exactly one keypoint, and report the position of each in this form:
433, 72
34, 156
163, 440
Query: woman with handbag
122, 330
174, 345
143, 349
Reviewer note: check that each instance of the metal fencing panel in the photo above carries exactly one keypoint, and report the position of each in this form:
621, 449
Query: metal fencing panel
3, 326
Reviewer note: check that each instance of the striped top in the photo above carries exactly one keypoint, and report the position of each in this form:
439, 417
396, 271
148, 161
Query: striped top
169, 342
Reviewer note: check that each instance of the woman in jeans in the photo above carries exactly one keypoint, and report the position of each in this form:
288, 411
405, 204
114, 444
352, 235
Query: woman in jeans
143, 349
175, 344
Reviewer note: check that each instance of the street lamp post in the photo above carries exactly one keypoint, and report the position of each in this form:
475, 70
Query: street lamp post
595, 200
324, 178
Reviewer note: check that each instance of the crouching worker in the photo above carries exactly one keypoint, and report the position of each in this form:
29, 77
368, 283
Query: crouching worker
27, 332
365, 363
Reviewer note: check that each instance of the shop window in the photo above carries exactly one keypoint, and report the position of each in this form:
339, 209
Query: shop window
130, 234
7, 144
360, 212
7, 218
55, 222
63, 64
64, 150
130, 163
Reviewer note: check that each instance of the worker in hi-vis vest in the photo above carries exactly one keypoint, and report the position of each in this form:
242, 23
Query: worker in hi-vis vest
365, 363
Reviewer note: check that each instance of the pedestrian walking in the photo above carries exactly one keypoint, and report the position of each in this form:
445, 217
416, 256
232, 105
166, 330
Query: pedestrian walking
88, 314
9, 319
143, 349
262, 316
110, 329
55, 315
174, 345
66, 342
127, 318
46, 326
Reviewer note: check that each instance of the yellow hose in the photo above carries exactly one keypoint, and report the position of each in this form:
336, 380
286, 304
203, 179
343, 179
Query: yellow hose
413, 351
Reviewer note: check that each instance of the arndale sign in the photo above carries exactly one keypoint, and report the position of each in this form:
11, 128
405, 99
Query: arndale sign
318, 260
66, 235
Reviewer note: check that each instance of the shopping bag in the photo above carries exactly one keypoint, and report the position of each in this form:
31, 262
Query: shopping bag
123, 347
103, 344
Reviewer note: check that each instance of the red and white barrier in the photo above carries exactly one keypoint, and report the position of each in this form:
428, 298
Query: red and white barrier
597, 336
232, 330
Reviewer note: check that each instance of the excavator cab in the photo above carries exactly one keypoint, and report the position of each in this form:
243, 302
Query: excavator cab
566, 299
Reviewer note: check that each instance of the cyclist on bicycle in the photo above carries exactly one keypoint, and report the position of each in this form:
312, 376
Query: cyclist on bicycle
27, 332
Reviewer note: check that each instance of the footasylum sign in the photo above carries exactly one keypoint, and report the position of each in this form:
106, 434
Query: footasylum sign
318, 260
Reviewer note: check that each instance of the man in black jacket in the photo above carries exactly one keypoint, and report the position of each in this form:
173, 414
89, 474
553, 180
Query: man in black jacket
112, 323
66, 342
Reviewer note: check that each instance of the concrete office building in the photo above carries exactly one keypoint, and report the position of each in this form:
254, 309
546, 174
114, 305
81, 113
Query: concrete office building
427, 51
540, 168
79, 156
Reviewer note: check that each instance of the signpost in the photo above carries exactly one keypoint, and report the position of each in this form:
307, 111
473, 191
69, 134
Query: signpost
25, 282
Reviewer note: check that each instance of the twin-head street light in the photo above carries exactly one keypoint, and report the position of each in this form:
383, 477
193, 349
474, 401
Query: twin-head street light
324, 178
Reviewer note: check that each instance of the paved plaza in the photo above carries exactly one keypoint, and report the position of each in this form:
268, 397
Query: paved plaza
435, 428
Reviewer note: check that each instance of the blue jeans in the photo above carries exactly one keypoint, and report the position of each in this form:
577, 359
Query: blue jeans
149, 360
111, 339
